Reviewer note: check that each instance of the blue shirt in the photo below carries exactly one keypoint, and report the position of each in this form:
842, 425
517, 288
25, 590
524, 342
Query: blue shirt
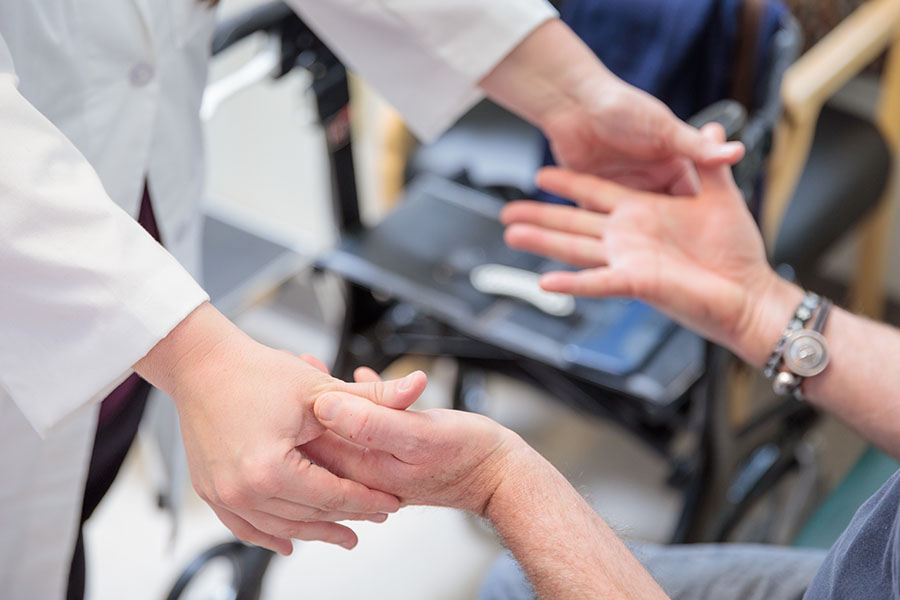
864, 563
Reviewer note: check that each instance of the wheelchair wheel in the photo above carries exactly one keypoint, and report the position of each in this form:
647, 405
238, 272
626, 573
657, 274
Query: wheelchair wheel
229, 571
778, 509
756, 477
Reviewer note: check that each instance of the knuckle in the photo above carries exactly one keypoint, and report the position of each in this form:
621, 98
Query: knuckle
304, 467
230, 493
316, 514
207, 495
261, 479
287, 530
333, 502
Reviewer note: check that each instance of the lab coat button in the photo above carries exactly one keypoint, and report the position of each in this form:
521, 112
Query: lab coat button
141, 74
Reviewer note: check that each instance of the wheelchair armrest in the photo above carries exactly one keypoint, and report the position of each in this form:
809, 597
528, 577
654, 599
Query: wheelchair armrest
728, 113
838, 57
754, 133
811, 81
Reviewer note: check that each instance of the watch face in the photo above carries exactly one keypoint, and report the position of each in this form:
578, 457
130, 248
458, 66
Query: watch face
806, 353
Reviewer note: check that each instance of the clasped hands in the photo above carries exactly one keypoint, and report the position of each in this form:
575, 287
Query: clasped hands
360, 455
272, 471
281, 450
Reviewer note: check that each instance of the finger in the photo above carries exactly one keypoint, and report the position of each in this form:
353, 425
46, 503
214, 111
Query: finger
351, 461
315, 363
577, 250
595, 283
311, 485
248, 533
687, 141
311, 531
588, 191
298, 512
327, 532
356, 420
716, 178
398, 393
365, 375
553, 216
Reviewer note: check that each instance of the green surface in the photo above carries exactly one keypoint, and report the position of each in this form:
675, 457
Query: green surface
835, 513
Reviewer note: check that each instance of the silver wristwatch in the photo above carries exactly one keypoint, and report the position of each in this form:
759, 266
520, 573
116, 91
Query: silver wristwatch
801, 352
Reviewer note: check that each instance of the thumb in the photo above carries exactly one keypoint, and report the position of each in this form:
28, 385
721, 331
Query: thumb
705, 150
715, 177
359, 421
396, 393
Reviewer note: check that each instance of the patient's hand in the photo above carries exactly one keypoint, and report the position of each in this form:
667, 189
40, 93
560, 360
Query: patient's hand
698, 259
467, 461
436, 457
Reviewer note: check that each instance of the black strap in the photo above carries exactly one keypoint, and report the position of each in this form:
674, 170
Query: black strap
744, 79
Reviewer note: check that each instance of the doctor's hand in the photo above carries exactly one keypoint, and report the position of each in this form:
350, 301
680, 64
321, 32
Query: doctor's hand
598, 124
436, 457
700, 260
247, 418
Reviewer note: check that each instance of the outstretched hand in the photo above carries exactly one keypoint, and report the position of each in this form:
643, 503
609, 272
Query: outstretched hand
698, 259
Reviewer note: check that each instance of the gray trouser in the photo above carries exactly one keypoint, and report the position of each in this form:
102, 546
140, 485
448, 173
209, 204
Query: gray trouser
695, 572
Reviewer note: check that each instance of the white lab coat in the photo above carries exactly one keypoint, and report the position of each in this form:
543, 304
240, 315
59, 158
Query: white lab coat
96, 95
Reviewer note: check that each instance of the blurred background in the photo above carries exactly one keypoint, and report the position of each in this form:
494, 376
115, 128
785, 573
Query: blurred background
636, 431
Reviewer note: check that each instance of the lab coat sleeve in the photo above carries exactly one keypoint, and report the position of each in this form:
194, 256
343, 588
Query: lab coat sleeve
85, 292
425, 56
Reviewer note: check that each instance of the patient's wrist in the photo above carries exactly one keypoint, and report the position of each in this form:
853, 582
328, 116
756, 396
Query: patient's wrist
770, 308
521, 474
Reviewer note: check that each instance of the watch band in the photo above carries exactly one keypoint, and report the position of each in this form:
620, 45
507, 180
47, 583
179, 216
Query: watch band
802, 315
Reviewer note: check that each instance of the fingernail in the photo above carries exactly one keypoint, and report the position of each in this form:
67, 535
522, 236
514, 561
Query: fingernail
728, 149
347, 545
327, 408
720, 152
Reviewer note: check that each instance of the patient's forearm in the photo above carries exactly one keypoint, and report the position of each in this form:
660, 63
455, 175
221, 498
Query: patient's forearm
861, 384
565, 548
